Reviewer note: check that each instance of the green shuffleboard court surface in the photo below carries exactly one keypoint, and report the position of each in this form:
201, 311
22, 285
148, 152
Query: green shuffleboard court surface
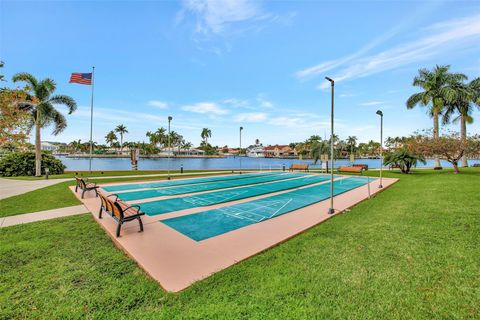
173, 183
143, 194
207, 199
211, 223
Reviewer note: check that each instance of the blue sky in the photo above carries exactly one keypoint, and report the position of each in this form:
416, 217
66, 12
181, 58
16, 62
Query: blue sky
256, 64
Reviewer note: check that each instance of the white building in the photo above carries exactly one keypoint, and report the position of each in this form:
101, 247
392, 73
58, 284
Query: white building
47, 146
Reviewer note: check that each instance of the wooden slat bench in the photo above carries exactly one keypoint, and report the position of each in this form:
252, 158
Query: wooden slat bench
299, 166
85, 186
364, 166
120, 211
350, 169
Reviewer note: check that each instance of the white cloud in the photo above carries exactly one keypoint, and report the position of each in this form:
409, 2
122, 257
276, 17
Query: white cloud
251, 117
238, 103
112, 117
372, 103
157, 104
440, 38
332, 64
210, 108
214, 16
301, 121
263, 102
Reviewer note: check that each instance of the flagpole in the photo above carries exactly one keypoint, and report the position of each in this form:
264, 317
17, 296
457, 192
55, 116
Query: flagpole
91, 122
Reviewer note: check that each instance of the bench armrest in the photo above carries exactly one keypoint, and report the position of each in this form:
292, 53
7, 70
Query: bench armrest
113, 195
133, 206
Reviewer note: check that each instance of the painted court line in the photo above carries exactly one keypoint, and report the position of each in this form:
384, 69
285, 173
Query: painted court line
138, 195
173, 183
163, 206
206, 224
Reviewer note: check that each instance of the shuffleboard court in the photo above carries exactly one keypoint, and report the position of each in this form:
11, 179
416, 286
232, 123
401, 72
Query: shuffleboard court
143, 194
210, 198
211, 223
173, 183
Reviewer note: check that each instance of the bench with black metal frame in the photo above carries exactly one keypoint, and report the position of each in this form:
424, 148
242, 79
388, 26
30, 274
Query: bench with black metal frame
85, 186
120, 211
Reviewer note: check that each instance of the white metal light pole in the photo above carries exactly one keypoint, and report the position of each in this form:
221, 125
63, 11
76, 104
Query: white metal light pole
169, 148
240, 151
380, 113
331, 210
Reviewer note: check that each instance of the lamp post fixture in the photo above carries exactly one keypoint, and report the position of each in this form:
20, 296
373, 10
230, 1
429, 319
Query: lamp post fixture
380, 113
169, 147
240, 151
331, 210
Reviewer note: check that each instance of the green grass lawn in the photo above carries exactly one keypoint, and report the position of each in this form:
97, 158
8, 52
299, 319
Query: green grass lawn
412, 252
59, 195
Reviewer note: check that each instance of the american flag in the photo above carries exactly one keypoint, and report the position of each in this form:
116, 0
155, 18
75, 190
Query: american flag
81, 78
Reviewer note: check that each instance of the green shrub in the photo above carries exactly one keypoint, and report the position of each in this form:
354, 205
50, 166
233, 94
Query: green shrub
403, 159
23, 164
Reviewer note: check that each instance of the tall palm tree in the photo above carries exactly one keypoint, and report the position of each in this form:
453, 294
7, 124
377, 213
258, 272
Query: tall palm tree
158, 137
41, 106
121, 129
352, 142
467, 95
110, 138
75, 145
318, 148
206, 133
435, 85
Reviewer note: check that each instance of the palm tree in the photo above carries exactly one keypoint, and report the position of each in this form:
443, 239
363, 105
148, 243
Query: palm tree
318, 148
436, 90
41, 106
121, 129
75, 145
352, 142
206, 133
462, 103
157, 137
110, 138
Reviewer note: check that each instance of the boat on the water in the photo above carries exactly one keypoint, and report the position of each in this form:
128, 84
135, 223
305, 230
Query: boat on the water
256, 152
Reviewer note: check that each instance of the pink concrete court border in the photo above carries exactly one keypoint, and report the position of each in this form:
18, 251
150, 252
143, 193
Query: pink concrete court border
176, 261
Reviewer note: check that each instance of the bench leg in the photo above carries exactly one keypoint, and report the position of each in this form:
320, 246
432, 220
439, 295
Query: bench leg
76, 188
119, 227
140, 223
83, 193
100, 213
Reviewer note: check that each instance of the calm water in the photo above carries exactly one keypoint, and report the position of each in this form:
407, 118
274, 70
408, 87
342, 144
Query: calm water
210, 164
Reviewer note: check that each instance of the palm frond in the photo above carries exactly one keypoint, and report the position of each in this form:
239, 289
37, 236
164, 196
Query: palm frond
25, 106
414, 99
59, 122
65, 100
48, 84
26, 77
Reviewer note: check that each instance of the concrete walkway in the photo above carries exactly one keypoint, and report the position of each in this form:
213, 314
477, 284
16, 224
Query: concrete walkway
42, 215
12, 187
